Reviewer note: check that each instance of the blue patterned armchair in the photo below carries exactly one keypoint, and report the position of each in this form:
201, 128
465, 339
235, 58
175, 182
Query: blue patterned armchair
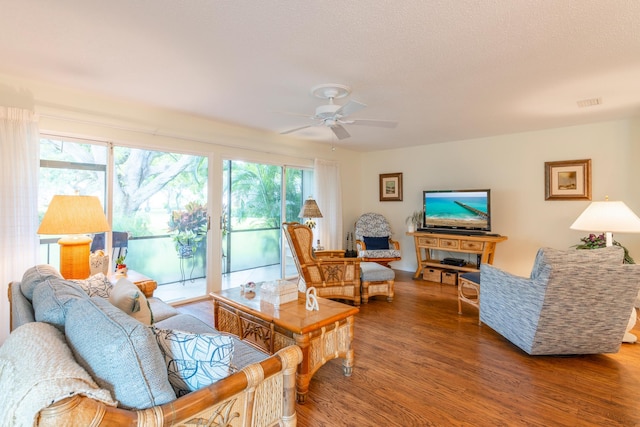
373, 239
574, 302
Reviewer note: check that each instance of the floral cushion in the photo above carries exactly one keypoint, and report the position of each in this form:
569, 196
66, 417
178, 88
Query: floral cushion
390, 253
194, 360
372, 225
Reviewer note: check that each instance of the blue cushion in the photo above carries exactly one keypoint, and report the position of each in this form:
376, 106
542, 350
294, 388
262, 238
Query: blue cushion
376, 243
52, 299
473, 276
36, 275
119, 352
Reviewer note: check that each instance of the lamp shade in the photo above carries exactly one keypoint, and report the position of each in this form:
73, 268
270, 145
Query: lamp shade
310, 209
74, 215
608, 216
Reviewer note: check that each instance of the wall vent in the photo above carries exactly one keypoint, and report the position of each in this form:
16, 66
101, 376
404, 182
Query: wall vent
589, 102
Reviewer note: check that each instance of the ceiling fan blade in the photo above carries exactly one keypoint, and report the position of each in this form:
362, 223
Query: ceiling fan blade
371, 122
295, 130
350, 108
340, 132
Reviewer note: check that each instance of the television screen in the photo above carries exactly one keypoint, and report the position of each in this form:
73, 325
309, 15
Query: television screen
457, 209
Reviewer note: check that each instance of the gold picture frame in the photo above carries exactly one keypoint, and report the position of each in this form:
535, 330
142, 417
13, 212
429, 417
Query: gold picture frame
568, 180
391, 187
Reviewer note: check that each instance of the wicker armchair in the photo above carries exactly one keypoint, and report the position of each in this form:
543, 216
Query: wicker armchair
574, 302
374, 229
332, 277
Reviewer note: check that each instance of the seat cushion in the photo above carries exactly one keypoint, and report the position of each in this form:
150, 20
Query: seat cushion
389, 253
119, 352
243, 353
374, 272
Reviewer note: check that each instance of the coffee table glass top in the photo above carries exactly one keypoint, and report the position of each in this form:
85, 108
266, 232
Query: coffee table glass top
292, 316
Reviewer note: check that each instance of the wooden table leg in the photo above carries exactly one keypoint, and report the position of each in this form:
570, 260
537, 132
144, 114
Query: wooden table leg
303, 376
347, 365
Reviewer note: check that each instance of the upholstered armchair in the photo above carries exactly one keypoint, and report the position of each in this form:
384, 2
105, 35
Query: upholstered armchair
574, 302
332, 277
373, 239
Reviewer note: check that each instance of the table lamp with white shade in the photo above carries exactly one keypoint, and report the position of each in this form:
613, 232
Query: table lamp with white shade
610, 217
74, 217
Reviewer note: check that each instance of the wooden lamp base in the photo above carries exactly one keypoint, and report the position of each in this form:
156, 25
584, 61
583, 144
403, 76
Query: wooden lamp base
74, 256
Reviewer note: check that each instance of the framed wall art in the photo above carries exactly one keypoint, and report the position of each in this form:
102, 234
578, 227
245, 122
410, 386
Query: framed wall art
568, 180
391, 187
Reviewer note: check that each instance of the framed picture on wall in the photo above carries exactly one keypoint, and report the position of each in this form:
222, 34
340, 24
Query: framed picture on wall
568, 180
391, 187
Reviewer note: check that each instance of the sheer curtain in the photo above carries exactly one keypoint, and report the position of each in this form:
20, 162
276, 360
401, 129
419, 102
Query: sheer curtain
19, 165
328, 195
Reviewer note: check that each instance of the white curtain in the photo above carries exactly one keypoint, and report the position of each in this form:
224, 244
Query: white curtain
328, 195
19, 165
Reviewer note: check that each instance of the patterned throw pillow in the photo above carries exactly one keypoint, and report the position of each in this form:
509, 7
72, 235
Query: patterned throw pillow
127, 297
194, 360
97, 285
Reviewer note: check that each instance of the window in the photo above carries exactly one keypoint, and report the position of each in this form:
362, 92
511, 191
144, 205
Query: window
153, 194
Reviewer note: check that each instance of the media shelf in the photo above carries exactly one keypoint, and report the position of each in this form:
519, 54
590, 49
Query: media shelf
426, 242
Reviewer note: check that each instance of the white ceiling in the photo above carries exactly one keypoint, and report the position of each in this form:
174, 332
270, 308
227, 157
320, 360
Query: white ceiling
444, 69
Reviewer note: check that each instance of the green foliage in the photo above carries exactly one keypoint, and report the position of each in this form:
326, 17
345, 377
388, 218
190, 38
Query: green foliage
593, 241
188, 228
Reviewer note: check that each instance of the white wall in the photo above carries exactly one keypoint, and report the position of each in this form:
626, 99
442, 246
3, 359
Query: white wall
512, 166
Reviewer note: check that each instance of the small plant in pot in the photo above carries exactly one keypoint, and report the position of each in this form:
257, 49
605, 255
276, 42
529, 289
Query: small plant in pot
121, 267
413, 221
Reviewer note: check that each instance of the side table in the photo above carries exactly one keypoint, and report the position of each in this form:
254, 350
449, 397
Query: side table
329, 253
146, 284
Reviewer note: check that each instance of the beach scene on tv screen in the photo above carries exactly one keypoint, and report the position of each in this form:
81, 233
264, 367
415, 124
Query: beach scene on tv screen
468, 209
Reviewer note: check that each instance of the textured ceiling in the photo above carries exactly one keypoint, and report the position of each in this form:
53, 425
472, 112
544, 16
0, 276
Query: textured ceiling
444, 69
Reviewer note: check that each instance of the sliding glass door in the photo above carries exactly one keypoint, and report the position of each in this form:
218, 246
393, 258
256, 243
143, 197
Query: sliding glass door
257, 198
156, 201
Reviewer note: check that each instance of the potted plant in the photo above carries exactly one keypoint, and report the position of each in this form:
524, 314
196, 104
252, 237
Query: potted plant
121, 267
188, 228
593, 241
413, 221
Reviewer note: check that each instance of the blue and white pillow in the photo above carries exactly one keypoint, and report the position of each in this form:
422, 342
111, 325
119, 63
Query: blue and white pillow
194, 361
97, 285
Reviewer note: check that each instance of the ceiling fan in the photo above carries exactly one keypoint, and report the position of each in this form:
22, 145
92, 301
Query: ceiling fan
333, 115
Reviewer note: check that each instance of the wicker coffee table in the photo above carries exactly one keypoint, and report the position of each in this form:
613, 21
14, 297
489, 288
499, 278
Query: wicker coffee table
322, 335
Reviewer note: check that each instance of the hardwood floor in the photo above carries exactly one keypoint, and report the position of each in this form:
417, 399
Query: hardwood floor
419, 363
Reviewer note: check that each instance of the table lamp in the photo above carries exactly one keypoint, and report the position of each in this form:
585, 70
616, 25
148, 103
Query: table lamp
74, 216
310, 210
609, 217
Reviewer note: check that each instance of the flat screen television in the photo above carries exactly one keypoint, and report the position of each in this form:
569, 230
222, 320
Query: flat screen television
464, 210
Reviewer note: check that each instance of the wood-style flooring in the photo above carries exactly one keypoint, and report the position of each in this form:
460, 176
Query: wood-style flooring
419, 363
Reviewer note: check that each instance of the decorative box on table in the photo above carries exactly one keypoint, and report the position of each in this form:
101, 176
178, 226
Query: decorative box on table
278, 292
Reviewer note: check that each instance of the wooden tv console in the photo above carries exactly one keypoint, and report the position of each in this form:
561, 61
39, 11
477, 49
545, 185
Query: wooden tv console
425, 242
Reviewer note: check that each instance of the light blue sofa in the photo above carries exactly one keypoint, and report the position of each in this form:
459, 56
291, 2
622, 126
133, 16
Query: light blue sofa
120, 356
